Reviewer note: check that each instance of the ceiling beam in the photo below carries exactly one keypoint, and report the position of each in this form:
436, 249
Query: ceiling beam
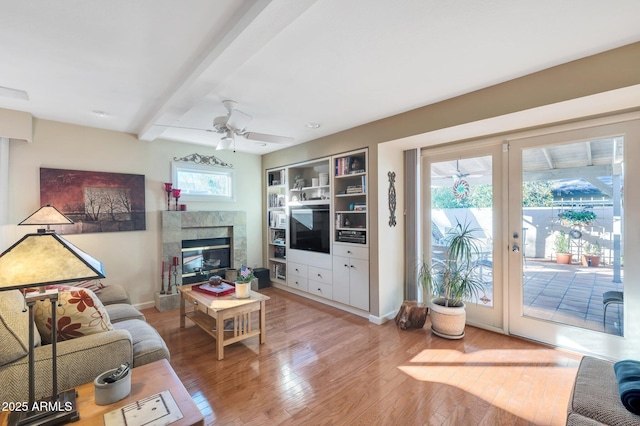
587, 146
254, 27
547, 157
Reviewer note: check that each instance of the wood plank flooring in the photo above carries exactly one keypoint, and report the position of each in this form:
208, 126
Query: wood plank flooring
323, 366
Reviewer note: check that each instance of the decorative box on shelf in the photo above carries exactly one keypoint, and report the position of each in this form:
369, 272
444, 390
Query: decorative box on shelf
221, 289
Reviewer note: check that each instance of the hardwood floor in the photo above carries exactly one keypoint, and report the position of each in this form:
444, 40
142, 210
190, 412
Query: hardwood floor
323, 366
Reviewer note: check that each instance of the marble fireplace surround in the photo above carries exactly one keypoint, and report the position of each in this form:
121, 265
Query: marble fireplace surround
179, 225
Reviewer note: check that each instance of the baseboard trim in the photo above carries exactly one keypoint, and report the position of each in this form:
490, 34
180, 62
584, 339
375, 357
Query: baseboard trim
324, 301
145, 305
383, 319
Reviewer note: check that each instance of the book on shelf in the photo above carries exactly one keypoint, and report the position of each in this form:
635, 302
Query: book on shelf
278, 236
276, 200
349, 165
280, 271
277, 219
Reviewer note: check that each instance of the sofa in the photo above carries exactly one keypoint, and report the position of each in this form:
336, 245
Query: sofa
80, 360
595, 399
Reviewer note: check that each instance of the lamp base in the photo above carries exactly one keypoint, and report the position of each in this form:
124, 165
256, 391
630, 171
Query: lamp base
48, 412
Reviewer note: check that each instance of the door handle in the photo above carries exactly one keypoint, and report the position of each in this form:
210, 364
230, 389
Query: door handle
515, 248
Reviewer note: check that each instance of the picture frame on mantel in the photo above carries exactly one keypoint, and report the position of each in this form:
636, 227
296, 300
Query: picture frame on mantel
95, 201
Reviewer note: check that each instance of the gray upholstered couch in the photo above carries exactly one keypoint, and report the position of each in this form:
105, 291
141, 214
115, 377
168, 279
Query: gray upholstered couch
595, 399
81, 359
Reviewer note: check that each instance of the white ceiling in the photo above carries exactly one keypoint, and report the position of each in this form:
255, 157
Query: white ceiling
152, 63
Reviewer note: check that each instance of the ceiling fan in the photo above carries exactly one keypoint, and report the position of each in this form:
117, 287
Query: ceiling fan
461, 187
457, 175
235, 124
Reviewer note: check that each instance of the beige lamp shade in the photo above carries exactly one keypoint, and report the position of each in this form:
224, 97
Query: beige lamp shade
47, 215
46, 258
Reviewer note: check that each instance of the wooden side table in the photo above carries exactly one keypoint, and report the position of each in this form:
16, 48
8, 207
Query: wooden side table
146, 381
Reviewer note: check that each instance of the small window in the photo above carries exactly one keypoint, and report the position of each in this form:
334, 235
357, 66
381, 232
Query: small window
203, 183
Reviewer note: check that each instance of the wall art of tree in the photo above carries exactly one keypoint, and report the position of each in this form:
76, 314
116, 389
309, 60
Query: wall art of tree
95, 201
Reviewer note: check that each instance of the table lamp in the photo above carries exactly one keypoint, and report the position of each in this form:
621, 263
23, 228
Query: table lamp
38, 260
46, 215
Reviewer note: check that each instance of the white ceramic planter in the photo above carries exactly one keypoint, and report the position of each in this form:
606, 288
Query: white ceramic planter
447, 322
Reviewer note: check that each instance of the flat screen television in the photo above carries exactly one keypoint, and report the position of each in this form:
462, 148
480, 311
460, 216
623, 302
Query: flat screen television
309, 228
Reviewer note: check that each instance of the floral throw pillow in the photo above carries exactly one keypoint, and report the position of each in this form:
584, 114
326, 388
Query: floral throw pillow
78, 313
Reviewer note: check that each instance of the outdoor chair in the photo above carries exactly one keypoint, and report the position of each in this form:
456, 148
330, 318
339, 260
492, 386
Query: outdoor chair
608, 298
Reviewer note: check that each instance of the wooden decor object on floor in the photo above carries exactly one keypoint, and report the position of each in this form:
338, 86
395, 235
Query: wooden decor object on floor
412, 314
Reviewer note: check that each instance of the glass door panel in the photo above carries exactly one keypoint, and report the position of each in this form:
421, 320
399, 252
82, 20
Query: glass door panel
460, 190
566, 258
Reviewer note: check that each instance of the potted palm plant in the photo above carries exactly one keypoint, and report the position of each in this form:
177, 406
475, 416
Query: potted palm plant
452, 281
562, 249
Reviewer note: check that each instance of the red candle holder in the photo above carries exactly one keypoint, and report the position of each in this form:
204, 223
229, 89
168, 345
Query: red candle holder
176, 195
168, 187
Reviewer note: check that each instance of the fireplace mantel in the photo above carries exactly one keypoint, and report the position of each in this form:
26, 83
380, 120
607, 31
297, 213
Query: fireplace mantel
179, 225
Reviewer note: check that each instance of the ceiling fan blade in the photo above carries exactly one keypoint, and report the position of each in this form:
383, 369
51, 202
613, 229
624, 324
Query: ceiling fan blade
184, 128
268, 138
238, 120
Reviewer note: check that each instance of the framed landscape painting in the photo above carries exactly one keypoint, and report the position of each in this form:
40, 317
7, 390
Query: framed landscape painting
95, 201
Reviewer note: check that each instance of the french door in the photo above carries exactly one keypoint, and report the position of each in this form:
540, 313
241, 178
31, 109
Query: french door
531, 196
565, 238
464, 186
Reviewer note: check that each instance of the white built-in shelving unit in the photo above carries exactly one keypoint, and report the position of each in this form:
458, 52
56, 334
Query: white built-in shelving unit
339, 183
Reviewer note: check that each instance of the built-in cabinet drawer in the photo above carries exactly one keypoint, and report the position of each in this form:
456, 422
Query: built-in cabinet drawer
321, 289
298, 282
320, 275
298, 269
351, 251
320, 282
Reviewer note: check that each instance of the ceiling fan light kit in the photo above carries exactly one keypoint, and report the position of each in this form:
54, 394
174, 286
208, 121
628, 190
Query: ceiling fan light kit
225, 143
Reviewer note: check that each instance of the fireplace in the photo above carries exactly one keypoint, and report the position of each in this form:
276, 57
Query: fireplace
204, 257
179, 227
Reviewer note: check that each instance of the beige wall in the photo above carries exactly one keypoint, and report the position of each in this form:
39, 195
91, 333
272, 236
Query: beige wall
130, 258
528, 99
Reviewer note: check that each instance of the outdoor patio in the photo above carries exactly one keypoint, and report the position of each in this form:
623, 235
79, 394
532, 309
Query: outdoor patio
571, 294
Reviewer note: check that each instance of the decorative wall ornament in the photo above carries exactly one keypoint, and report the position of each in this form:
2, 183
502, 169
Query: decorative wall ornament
206, 160
392, 198
461, 189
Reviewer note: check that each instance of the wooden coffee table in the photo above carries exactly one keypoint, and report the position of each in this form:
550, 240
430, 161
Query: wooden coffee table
210, 313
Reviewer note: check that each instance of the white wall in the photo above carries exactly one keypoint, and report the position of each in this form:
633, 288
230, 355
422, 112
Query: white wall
130, 258
4, 192
390, 238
